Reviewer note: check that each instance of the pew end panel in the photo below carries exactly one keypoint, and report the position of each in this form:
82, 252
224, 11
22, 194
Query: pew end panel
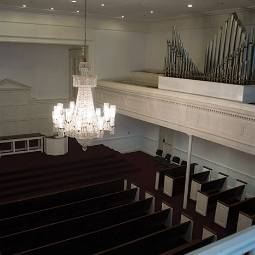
245, 221
189, 234
168, 186
221, 214
137, 196
153, 202
196, 183
125, 184
202, 203
170, 218
156, 186
209, 233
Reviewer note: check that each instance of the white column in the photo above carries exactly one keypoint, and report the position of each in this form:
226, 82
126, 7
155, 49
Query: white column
186, 191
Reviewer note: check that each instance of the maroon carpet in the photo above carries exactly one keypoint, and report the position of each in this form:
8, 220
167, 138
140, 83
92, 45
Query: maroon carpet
137, 167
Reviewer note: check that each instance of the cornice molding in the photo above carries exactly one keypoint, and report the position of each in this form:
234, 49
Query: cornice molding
225, 122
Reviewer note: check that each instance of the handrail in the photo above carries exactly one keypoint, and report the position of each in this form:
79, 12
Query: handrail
237, 244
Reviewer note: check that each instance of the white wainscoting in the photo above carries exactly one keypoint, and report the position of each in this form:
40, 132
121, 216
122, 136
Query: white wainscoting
21, 114
219, 167
126, 144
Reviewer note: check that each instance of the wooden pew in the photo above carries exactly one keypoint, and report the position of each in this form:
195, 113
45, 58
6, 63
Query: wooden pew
208, 200
159, 179
28, 172
190, 246
227, 209
58, 185
74, 227
56, 199
246, 217
156, 243
208, 232
106, 238
68, 211
174, 180
8, 188
197, 180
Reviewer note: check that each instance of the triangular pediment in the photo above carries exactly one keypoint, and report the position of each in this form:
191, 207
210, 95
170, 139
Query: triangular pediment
8, 84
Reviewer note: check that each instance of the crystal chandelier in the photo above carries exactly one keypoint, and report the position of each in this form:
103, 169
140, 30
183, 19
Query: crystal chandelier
81, 120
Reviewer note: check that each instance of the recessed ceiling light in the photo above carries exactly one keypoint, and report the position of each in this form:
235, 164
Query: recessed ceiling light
74, 1
77, 11
151, 12
102, 4
52, 8
190, 5
24, 5
122, 16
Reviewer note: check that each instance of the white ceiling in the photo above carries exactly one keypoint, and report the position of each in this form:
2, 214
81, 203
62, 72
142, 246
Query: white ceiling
138, 10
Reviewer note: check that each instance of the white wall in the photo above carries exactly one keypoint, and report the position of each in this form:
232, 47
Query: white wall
44, 68
118, 52
132, 135
196, 32
41, 61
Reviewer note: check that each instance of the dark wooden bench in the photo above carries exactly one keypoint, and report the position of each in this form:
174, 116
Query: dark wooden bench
160, 173
94, 242
227, 209
196, 182
7, 186
207, 200
55, 199
53, 183
13, 174
190, 246
174, 179
74, 227
246, 217
156, 243
67, 211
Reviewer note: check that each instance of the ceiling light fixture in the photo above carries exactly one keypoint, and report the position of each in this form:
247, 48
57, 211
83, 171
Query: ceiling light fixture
190, 5
151, 12
74, 1
77, 11
24, 5
102, 4
123, 17
52, 8
81, 120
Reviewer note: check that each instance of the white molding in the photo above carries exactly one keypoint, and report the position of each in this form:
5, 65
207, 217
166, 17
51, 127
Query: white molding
207, 118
